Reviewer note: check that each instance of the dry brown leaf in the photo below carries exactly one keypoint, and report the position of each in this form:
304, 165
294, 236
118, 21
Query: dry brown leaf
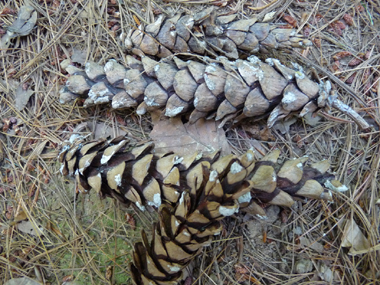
318, 247
28, 228
103, 130
22, 97
284, 126
79, 56
170, 134
22, 281
354, 238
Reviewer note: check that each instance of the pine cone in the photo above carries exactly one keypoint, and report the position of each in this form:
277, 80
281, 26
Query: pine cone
205, 34
114, 168
192, 193
226, 89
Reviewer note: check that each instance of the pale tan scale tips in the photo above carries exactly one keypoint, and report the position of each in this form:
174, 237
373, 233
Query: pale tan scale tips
142, 109
193, 231
167, 282
212, 230
272, 156
179, 63
158, 247
149, 65
282, 199
306, 85
78, 84
221, 164
213, 155
79, 184
140, 168
152, 193
152, 269
184, 85
133, 196
71, 152
237, 173
292, 170
287, 72
247, 159
197, 217
137, 151
183, 236
174, 225
170, 193
213, 208
94, 70
165, 164
183, 205
85, 161
311, 189
254, 209
173, 177
213, 178
165, 74
327, 195
188, 160
175, 252
265, 179
336, 185
71, 165
90, 145
114, 71
250, 168
170, 268
194, 178
321, 166
111, 150
62, 154
272, 82
229, 210
115, 176
195, 246
95, 182
197, 70
215, 78
216, 190
243, 194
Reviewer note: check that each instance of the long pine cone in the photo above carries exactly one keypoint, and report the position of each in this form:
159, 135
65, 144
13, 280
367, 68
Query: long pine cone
115, 168
192, 193
205, 33
244, 88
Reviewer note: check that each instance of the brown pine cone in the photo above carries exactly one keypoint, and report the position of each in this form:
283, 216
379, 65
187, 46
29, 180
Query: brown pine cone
206, 34
192, 193
115, 168
244, 88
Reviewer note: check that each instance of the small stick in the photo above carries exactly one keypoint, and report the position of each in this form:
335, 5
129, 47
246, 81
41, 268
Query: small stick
339, 105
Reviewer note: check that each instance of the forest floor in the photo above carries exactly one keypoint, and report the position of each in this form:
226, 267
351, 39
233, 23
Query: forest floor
51, 234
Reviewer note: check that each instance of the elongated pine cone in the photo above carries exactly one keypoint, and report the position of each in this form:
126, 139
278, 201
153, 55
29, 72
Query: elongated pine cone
205, 33
192, 193
239, 89
116, 169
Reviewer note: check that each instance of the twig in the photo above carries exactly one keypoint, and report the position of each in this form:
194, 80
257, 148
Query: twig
339, 105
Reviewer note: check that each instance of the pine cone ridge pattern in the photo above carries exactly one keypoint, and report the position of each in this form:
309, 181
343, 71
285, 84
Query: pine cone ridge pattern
192, 193
205, 33
222, 89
